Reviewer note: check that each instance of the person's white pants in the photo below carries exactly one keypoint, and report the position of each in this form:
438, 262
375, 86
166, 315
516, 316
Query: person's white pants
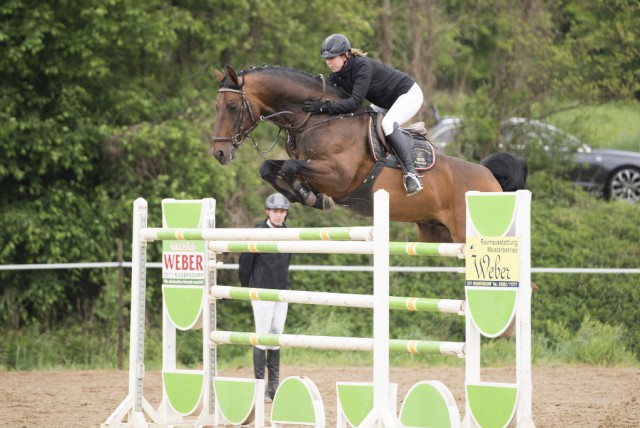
270, 318
405, 107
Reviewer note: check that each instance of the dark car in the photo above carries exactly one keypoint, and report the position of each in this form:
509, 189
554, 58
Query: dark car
613, 174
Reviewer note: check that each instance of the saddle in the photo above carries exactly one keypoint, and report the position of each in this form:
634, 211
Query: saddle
424, 157
424, 153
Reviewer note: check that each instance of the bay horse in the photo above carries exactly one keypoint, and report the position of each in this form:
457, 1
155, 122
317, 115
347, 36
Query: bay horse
330, 159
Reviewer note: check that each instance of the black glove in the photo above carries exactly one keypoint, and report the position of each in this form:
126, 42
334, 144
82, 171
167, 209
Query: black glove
313, 106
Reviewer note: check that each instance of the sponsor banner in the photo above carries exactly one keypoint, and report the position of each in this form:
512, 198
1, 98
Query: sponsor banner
492, 261
183, 268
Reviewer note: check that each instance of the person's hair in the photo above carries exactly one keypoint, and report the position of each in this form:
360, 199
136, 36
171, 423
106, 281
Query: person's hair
358, 52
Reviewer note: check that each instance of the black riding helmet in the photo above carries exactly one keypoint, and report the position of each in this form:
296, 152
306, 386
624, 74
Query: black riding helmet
334, 45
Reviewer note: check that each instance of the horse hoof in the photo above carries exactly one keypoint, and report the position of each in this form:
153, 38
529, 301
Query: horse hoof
326, 201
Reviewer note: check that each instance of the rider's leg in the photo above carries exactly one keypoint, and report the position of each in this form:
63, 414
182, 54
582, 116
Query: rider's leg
412, 181
405, 107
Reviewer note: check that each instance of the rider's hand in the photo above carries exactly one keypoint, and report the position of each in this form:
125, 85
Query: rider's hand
314, 106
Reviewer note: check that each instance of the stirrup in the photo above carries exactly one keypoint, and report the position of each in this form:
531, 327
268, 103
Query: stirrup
415, 186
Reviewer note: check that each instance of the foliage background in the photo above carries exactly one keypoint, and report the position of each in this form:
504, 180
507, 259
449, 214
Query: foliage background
102, 102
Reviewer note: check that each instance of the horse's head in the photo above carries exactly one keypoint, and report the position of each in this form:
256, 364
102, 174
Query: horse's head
235, 116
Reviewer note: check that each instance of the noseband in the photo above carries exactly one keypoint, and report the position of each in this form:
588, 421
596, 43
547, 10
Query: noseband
241, 133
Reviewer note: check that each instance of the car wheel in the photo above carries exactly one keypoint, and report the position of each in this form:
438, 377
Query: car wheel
624, 185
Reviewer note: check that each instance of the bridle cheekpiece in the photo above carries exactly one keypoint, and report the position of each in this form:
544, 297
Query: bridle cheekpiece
241, 133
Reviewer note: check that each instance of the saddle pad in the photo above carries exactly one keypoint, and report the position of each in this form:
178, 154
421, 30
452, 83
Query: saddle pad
424, 153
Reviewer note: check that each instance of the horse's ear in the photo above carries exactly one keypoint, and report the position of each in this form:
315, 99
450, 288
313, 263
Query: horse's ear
231, 74
219, 74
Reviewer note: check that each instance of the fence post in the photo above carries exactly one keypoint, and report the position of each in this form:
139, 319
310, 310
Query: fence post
120, 304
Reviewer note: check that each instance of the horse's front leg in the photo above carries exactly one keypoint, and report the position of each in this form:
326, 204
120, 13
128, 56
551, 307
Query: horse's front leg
270, 171
291, 173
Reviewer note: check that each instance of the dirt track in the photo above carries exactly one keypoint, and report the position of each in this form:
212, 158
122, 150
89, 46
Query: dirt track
563, 397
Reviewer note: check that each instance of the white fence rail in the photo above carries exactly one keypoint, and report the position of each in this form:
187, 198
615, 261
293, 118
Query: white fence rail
233, 266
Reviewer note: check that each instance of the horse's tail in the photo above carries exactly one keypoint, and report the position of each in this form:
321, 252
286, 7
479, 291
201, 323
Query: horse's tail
510, 171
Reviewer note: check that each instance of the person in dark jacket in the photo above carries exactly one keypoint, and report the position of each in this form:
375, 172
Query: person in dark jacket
388, 90
268, 270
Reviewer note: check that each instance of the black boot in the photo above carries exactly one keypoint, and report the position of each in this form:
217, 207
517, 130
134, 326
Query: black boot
273, 365
412, 182
258, 362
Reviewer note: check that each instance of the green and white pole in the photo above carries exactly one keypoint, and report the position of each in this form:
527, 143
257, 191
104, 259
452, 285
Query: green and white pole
415, 304
336, 343
343, 247
357, 233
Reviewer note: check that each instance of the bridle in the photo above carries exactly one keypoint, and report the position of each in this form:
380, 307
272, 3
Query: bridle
236, 138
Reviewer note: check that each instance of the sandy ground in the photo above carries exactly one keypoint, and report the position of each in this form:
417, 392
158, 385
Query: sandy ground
562, 397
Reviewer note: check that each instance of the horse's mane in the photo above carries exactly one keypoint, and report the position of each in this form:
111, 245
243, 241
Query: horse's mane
300, 77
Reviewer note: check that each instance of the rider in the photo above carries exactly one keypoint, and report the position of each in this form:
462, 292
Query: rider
263, 270
389, 90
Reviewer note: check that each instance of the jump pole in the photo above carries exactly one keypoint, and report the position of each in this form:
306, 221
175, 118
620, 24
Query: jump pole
415, 304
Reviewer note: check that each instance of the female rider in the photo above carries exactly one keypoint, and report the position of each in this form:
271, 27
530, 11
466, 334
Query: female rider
389, 90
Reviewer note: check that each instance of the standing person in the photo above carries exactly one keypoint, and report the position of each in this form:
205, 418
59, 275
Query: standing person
268, 270
389, 90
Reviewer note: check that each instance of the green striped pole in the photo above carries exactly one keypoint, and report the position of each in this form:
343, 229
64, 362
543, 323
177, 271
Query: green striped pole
416, 304
336, 343
346, 247
317, 239
358, 233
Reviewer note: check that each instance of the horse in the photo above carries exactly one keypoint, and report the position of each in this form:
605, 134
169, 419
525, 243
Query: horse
330, 162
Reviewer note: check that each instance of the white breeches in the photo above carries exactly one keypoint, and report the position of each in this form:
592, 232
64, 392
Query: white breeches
405, 107
269, 318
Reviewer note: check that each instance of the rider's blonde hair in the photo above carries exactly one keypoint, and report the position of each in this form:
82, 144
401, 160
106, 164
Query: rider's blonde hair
358, 52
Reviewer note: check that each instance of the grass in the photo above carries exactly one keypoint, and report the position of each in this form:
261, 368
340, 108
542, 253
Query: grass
613, 125
594, 344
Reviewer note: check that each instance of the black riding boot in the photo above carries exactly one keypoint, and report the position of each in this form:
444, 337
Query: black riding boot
273, 365
412, 182
258, 362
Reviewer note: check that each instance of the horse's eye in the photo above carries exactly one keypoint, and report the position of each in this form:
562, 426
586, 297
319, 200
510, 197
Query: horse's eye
232, 106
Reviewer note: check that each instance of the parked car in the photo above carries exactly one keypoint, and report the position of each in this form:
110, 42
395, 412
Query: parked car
613, 174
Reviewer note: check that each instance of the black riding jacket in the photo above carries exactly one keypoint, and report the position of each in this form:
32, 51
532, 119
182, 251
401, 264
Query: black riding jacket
365, 78
264, 270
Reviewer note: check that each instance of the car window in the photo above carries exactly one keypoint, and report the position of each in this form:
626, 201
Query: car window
541, 144
446, 135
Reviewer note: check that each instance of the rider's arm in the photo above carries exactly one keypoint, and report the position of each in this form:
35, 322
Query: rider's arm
362, 80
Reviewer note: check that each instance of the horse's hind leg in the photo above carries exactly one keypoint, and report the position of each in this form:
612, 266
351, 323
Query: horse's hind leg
433, 232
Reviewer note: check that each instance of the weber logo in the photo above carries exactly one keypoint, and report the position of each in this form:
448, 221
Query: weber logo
183, 261
183, 268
